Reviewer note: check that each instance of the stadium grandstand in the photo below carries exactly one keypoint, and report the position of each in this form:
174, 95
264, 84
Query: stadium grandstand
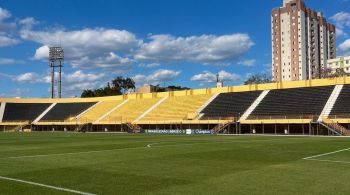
310, 107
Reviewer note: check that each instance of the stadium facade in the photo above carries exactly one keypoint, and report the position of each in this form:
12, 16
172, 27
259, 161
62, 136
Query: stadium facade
302, 42
308, 107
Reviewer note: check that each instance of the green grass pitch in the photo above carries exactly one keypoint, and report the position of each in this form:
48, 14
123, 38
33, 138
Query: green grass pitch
172, 164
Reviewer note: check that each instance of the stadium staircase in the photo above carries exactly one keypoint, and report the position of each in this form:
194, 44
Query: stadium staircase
84, 127
2, 110
254, 105
220, 128
133, 128
44, 113
20, 127
330, 103
335, 127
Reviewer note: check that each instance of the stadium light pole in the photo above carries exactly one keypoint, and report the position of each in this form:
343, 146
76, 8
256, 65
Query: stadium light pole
56, 58
52, 79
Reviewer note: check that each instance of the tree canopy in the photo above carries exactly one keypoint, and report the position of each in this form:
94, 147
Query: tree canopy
169, 88
118, 86
258, 79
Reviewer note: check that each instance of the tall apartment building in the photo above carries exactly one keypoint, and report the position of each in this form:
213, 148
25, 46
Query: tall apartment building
302, 42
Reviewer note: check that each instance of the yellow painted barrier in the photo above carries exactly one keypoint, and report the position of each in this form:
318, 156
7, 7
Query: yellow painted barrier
242, 88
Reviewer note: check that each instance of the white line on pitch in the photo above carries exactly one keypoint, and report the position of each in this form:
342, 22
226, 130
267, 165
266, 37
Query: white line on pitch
69, 153
147, 146
45, 186
332, 161
325, 154
150, 145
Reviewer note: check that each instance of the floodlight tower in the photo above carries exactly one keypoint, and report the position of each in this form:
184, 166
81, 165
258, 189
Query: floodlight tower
56, 57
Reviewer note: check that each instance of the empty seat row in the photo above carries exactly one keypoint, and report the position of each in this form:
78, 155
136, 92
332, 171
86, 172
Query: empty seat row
23, 111
293, 103
131, 110
66, 111
341, 107
229, 105
178, 108
99, 110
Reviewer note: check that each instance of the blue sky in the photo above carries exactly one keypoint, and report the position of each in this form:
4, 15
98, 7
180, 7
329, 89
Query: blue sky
182, 42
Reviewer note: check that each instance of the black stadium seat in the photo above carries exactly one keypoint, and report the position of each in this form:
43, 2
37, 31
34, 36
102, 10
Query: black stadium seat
229, 104
293, 103
63, 111
341, 108
23, 111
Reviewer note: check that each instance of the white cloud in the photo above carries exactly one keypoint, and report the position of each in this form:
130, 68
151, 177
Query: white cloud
29, 77
7, 41
78, 81
79, 76
151, 65
112, 61
88, 48
42, 53
342, 19
16, 93
248, 63
209, 77
73, 83
6, 38
4, 14
345, 46
156, 77
203, 49
85, 42
341, 33
5, 26
28, 22
8, 61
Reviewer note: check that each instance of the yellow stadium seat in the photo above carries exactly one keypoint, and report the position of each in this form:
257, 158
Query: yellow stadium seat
130, 111
98, 111
178, 108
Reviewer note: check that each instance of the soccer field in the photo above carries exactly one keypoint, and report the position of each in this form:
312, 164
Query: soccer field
70, 163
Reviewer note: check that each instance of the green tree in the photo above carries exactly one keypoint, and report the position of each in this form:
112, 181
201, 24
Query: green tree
87, 93
258, 79
121, 85
118, 86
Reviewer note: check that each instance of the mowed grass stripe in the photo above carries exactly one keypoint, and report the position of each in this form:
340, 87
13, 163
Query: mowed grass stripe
177, 164
45, 186
151, 145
